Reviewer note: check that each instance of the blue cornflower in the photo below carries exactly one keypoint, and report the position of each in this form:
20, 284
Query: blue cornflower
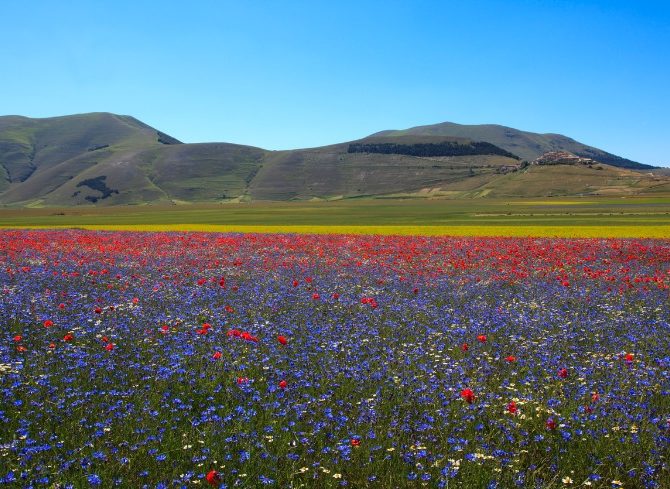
266, 480
10, 477
94, 479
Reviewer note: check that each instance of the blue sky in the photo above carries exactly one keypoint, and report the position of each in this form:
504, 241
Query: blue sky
287, 74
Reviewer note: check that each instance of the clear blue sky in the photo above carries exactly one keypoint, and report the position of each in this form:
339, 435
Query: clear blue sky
286, 74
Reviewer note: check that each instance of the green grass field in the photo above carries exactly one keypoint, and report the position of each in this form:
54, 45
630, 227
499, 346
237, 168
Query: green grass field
592, 217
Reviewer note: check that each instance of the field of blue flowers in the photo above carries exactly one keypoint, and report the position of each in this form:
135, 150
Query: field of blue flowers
193, 359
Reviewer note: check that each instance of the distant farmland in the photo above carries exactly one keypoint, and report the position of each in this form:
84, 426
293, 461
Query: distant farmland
592, 217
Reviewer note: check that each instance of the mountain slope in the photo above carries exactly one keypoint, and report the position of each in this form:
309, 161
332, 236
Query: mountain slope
28, 145
108, 159
527, 145
40, 155
335, 172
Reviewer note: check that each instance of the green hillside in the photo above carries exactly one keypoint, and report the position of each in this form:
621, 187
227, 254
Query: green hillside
40, 156
104, 159
335, 173
526, 145
30, 145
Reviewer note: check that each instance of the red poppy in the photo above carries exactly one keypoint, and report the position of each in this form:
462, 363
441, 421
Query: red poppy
206, 326
282, 339
213, 478
97, 310
468, 395
234, 332
336, 296
135, 300
563, 373
629, 357
242, 380
282, 384
216, 355
68, 337
355, 442
481, 338
61, 306
295, 283
415, 291
315, 296
105, 339
511, 358
595, 396
52, 345
229, 308
18, 338
109, 346
551, 424
48, 323
464, 347
511, 407
21, 348
164, 328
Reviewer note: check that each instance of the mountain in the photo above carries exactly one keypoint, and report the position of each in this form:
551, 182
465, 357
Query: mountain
527, 145
108, 159
103, 158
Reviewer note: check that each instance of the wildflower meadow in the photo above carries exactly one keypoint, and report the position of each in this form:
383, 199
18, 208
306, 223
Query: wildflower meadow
154, 359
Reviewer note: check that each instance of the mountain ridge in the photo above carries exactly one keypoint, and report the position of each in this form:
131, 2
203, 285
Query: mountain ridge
508, 138
102, 158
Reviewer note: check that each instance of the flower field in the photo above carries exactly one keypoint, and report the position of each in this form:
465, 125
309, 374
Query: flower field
180, 359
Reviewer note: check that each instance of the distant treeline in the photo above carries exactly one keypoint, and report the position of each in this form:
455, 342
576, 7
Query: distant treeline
447, 148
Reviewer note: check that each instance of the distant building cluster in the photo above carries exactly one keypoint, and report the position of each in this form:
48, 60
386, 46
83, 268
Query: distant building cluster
562, 158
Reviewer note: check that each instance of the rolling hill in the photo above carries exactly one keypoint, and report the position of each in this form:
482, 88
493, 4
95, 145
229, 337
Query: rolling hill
527, 145
103, 158
108, 159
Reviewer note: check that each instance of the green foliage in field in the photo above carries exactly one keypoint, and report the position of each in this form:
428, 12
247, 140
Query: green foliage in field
634, 217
